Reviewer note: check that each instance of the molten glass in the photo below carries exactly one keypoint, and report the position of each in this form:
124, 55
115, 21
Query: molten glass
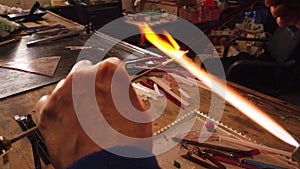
172, 49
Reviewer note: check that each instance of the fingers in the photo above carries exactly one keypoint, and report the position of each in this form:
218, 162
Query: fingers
109, 66
109, 69
59, 85
284, 18
282, 21
118, 100
83, 69
39, 107
270, 3
286, 12
81, 66
113, 60
105, 68
61, 94
279, 10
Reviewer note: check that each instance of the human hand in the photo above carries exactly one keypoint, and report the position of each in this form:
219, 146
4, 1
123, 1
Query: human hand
286, 12
57, 113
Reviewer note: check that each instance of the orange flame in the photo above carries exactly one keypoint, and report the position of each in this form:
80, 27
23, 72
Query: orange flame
172, 49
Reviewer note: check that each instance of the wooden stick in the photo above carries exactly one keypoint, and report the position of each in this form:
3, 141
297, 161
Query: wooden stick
24, 134
9, 41
256, 146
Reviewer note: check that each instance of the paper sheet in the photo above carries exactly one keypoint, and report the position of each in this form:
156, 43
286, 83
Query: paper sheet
45, 66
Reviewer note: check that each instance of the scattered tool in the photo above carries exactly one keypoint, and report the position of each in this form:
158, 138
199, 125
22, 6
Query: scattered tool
33, 15
78, 47
33, 9
44, 28
153, 68
5, 144
38, 144
237, 152
55, 37
9, 41
196, 151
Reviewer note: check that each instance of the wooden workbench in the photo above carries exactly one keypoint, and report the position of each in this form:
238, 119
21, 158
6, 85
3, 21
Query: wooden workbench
286, 114
19, 50
23, 103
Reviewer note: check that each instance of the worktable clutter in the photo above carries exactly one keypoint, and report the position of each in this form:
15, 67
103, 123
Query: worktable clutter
96, 14
20, 90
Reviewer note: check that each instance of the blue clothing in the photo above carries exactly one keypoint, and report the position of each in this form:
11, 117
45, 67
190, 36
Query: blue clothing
106, 160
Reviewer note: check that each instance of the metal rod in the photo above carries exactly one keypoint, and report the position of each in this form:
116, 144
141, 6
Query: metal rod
56, 37
216, 147
24, 134
127, 46
9, 41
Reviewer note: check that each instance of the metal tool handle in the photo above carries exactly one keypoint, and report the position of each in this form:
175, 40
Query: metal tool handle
24, 134
52, 38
